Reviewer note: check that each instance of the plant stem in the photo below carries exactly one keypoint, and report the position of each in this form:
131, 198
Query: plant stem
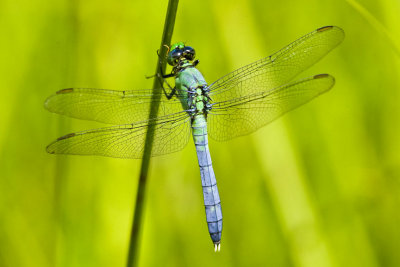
161, 63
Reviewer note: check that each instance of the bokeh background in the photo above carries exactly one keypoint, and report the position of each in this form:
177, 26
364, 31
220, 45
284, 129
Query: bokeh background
319, 187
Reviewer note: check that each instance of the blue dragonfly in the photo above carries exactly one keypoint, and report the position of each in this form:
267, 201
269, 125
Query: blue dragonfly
237, 104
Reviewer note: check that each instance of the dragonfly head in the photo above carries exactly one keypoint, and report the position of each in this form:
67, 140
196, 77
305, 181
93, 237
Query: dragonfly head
180, 52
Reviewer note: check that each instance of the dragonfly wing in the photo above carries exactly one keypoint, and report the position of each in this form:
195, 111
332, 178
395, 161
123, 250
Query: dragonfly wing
279, 68
172, 133
109, 106
244, 115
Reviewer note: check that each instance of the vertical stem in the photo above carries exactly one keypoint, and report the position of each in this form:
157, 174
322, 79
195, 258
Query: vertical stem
134, 247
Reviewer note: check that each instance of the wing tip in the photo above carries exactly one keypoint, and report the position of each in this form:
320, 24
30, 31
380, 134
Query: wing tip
51, 149
47, 102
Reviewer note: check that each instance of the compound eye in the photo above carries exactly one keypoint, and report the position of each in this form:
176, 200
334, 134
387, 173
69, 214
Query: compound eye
173, 56
189, 53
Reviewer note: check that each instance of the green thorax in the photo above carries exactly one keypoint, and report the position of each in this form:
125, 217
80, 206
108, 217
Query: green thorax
191, 88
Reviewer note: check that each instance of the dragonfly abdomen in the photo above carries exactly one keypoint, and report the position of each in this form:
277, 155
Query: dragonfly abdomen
212, 201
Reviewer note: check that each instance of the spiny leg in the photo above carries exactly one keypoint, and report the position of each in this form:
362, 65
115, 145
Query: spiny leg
161, 78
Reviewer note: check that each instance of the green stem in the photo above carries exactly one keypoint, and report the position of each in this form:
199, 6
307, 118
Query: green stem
137, 219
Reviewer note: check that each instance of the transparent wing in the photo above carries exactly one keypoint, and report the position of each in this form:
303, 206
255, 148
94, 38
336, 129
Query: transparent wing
172, 133
109, 106
244, 115
279, 68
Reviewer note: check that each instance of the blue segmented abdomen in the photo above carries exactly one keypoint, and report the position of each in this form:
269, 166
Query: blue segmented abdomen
212, 201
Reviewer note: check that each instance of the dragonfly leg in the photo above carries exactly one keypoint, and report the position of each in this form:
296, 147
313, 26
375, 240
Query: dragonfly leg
173, 89
162, 80
161, 70
161, 77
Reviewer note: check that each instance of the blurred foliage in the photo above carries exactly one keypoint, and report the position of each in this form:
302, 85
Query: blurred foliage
319, 187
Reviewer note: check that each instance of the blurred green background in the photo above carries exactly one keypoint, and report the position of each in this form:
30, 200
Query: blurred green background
319, 187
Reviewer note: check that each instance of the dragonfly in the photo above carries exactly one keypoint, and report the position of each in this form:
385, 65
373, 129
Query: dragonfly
236, 104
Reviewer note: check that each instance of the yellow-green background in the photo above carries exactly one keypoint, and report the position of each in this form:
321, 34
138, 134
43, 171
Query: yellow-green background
319, 187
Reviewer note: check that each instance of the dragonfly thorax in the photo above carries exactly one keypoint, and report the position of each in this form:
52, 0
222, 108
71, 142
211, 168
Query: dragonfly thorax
199, 101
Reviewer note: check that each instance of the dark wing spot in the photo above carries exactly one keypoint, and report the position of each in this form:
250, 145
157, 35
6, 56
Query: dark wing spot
65, 91
324, 28
66, 136
319, 76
